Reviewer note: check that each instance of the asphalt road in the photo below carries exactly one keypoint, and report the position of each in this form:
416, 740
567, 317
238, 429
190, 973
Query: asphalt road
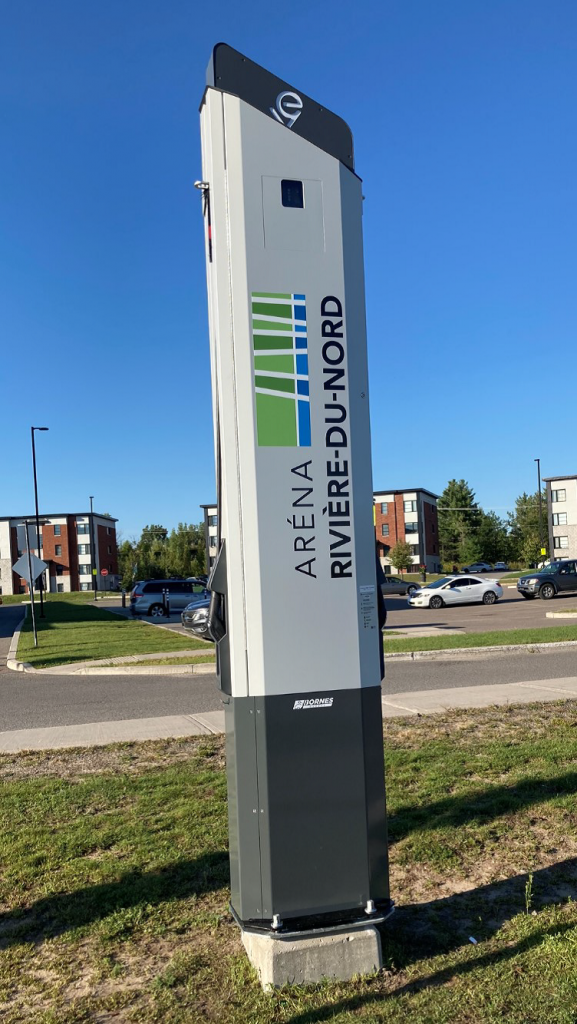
10, 616
28, 701
511, 612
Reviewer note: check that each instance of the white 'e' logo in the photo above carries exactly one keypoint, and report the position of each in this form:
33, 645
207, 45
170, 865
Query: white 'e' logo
288, 108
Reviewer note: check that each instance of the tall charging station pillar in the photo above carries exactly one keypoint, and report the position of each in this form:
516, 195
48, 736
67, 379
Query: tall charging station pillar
294, 603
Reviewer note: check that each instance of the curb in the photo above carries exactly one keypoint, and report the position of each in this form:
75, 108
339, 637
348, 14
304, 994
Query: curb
205, 668
11, 660
475, 652
561, 615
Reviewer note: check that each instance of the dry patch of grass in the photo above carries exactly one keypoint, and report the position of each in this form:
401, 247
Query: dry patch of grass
114, 883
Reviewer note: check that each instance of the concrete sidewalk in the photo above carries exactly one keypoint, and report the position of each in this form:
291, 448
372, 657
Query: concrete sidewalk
395, 705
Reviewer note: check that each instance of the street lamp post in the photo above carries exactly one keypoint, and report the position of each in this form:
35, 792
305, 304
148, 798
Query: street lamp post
40, 580
92, 549
31, 583
538, 461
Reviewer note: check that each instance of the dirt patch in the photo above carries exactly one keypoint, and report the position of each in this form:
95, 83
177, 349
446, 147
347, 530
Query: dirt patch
515, 722
128, 758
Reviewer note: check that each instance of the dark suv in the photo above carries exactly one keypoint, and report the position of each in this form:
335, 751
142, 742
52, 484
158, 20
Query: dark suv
147, 597
554, 578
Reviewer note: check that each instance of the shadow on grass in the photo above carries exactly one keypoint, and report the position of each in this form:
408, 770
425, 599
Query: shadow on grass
442, 926
479, 806
65, 911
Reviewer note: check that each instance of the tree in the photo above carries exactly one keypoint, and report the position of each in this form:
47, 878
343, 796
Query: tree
159, 554
524, 538
492, 538
459, 518
126, 563
401, 556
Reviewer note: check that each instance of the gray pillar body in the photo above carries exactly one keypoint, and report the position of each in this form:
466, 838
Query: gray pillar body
299, 639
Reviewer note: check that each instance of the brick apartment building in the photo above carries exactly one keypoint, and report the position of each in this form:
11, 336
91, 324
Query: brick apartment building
410, 516
210, 533
72, 544
562, 515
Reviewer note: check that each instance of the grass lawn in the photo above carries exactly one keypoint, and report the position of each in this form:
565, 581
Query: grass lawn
114, 883
538, 635
75, 632
77, 596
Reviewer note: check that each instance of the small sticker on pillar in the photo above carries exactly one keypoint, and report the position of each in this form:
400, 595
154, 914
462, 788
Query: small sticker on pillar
368, 606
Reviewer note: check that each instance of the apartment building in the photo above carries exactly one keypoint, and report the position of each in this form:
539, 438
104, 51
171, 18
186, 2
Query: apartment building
409, 516
562, 515
73, 544
210, 533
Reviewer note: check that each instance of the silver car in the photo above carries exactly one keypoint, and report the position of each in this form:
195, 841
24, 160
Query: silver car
394, 585
148, 597
195, 616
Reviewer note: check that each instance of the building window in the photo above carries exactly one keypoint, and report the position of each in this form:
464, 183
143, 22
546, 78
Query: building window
59, 588
410, 506
433, 528
83, 528
414, 549
559, 519
108, 530
85, 569
212, 520
411, 527
57, 530
58, 549
212, 541
84, 549
385, 529
109, 550
560, 542
384, 508
85, 586
559, 495
59, 570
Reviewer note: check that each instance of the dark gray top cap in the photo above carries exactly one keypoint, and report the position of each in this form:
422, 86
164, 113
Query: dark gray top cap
230, 71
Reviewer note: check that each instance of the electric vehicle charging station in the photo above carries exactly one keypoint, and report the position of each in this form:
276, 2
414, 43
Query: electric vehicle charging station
294, 599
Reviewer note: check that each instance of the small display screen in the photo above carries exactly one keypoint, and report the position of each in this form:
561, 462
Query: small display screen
292, 193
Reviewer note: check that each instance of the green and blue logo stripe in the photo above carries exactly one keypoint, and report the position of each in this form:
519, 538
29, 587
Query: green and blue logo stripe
281, 370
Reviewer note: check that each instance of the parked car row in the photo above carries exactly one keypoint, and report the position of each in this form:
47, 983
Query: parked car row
486, 567
149, 596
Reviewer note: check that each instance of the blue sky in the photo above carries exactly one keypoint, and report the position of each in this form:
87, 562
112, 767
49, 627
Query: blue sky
464, 121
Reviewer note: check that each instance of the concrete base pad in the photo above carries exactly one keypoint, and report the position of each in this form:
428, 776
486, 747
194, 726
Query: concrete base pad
307, 959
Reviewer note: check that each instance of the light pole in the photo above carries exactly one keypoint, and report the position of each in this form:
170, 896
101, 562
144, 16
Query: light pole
40, 580
92, 548
538, 461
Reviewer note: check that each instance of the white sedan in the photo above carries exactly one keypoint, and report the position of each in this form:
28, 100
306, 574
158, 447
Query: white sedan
456, 590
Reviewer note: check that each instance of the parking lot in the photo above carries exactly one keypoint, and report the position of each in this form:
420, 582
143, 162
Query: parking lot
511, 612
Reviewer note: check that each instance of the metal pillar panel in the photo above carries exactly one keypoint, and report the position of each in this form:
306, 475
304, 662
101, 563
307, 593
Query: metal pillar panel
244, 826
300, 654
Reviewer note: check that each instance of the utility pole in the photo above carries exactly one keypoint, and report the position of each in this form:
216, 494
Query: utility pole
40, 580
538, 461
